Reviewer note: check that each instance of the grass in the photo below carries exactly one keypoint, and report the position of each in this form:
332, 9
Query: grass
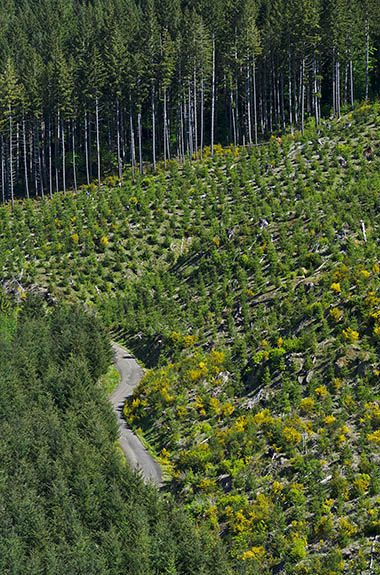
110, 380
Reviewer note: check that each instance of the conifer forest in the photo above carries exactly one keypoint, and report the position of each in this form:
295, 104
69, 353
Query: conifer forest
190, 287
88, 88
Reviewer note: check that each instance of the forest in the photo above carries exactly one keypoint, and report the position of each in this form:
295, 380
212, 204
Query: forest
69, 503
248, 284
90, 89
200, 183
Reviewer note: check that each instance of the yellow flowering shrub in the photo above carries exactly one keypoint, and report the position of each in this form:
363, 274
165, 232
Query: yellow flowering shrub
227, 409
321, 391
254, 554
336, 314
350, 334
335, 287
307, 404
292, 435
346, 527
374, 437
329, 419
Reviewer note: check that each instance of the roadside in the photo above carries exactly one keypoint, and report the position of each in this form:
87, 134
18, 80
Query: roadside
137, 456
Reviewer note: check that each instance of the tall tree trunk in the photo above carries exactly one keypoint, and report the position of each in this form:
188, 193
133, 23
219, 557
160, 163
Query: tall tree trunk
182, 128
153, 127
255, 99
338, 86
39, 161
233, 116
334, 83
56, 152
303, 94
351, 84
2, 170
35, 158
133, 152
17, 151
195, 116
43, 152
165, 127
139, 134
63, 155
74, 159
202, 117
97, 137
315, 95
213, 95
290, 94
366, 58
90, 146
249, 119
295, 98
191, 149
11, 155
25, 158
119, 166
86, 151
283, 120
50, 163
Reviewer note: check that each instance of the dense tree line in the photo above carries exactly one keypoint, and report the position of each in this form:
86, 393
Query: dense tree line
91, 87
69, 503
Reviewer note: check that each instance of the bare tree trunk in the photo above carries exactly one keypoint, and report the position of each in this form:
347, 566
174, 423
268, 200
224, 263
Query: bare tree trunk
43, 153
233, 116
56, 152
182, 128
351, 84
86, 148
295, 95
63, 155
338, 87
366, 58
165, 127
90, 146
74, 159
50, 163
315, 95
213, 96
39, 161
2, 170
283, 120
119, 167
97, 137
139, 131
303, 95
290, 94
25, 158
11, 155
249, 120
17, 150
191, 149
334, 83
124, 131
255, 99
153, 128
195, 117
133, 153
202, 117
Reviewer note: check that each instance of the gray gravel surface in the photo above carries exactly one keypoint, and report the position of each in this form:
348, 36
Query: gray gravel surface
136, 454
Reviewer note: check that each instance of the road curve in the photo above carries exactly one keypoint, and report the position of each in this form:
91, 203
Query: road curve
136, 454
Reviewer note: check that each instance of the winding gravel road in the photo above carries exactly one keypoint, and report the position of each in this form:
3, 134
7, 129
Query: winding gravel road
136, 454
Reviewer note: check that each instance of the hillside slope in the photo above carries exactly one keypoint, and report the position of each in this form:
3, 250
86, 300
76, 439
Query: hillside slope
256, 274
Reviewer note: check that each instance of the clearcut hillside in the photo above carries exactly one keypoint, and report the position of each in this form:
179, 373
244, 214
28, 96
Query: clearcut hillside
249, 283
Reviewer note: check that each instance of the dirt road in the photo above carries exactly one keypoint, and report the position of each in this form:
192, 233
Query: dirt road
130, 376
